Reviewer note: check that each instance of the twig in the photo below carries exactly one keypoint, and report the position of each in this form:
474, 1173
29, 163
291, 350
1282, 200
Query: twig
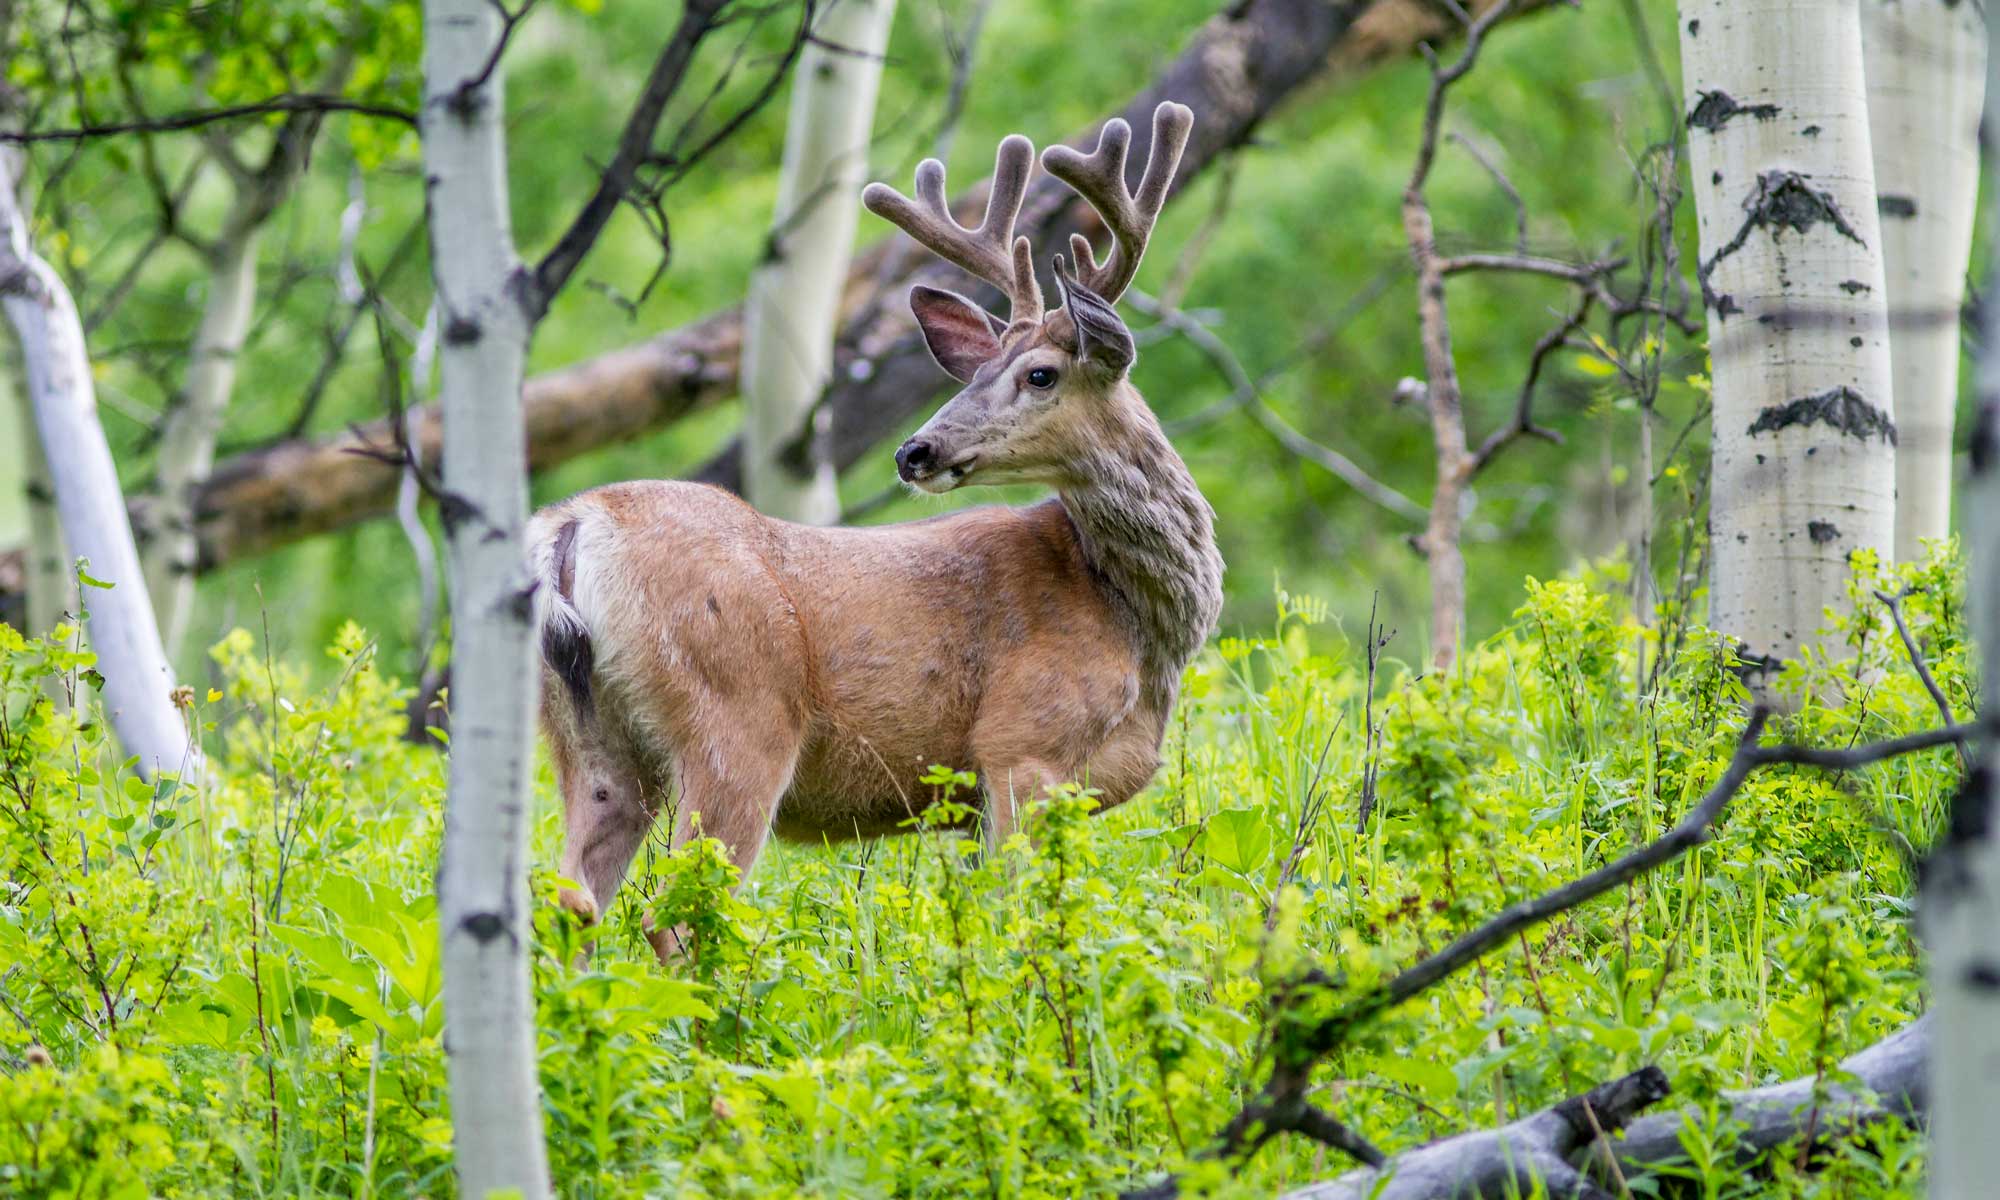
468, 89
1246, 395
1292, 1068
615, 181
1174, 290
1895, 606
1505, 185
196, 119
1371, 733
1523, 424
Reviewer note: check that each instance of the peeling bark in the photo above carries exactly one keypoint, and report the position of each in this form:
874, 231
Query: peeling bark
1926, 81
1791, 235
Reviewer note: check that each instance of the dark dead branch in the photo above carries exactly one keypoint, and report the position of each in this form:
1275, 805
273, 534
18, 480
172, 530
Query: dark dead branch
200, 118
1298, 1050
1923, 668
619, 179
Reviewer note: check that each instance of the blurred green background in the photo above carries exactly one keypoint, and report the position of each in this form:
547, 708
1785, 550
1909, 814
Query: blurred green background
1562, 103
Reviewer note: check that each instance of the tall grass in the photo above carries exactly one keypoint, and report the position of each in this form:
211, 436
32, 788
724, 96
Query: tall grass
234, 992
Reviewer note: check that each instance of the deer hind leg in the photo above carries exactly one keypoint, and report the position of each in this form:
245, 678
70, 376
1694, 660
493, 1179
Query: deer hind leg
728, 781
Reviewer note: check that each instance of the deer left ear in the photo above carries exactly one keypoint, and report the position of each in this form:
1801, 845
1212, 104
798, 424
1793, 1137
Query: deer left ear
1102, 338
961, 335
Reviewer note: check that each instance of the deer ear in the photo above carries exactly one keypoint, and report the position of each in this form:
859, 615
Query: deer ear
961, 335
1102, 338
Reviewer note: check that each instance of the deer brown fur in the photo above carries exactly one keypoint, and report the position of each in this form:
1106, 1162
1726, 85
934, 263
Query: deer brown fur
754, 675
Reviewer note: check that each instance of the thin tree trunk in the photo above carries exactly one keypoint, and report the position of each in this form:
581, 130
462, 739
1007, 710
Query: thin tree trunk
794, 302
50, 584
189, 430
261, 500
1791, 267
1961, 897
187, 436
483, 904
1926, 64
138, 685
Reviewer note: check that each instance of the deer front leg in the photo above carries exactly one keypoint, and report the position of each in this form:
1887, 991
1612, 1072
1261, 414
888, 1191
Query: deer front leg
1010, 788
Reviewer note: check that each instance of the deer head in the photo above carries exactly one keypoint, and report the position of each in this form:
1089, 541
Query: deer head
1038, 386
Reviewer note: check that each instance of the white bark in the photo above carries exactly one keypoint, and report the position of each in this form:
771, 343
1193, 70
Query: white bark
1926, 64
794, 301
1961, 899
51, 584
187, 436
483, 906
1804, 441
138, 685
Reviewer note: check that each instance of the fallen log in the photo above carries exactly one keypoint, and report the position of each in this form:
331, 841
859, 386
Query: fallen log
1235, 71
1568, 1147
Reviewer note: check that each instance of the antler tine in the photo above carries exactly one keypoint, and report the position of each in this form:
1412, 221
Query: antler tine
1099, 178
990, 251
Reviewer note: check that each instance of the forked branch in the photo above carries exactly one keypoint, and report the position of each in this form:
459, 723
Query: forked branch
1299, 1050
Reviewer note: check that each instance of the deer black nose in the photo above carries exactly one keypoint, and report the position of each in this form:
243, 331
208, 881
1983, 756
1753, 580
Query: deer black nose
913, 458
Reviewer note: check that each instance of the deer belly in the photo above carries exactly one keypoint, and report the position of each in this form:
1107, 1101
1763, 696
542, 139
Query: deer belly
864, 783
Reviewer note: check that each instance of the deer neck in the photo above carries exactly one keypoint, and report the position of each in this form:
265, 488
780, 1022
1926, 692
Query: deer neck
1149, 536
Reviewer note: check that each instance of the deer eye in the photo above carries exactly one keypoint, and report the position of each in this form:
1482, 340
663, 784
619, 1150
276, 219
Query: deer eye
1042, 377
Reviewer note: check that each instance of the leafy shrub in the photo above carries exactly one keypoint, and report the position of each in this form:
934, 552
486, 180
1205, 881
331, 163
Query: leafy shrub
232, 988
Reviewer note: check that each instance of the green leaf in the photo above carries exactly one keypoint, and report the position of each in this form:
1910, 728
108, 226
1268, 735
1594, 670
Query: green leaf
1237, 838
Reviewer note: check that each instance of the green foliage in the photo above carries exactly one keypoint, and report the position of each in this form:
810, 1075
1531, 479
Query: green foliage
232, 989
1311, 241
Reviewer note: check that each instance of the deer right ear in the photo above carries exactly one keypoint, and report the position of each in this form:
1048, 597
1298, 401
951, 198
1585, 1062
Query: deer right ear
961, 335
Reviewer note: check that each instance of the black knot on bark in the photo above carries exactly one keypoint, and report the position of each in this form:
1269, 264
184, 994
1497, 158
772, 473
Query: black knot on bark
484, 926
1842, 407
1785, 200
1717, 108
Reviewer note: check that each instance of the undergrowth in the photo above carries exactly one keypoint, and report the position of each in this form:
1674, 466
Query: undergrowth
232, 990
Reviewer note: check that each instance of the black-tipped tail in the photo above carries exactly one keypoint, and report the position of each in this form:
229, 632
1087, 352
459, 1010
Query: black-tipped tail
565, 638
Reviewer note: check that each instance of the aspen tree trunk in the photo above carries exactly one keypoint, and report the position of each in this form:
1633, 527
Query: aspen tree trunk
187, 437
1791, 268
483, 905
794, 302
51, 585
188, 434
1961, 898
138, 684
1926, 64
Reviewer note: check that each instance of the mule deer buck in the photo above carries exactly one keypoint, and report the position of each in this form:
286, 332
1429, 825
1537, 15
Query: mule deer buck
772, 676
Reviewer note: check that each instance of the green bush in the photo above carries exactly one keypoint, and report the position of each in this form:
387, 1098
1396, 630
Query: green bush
232, 989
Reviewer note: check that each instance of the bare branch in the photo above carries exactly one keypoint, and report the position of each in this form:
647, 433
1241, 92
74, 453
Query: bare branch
635, 143
295, 103
1505, 185
1895, 606
1292, 1069
1246, 394
1589, 274
1523, 424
